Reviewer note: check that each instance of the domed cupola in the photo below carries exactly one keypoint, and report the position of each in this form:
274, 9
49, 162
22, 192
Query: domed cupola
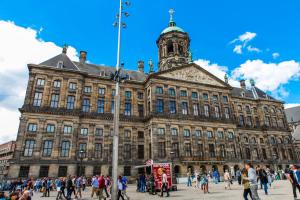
173, 45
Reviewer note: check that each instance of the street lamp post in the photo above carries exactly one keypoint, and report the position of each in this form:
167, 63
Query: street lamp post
117, 77
172, 154
81, 152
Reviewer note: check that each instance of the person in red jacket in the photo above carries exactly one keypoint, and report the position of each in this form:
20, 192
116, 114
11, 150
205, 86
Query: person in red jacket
101, 181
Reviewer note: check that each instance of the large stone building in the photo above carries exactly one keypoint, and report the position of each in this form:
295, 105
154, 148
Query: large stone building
293, 119
6, 154
181, 108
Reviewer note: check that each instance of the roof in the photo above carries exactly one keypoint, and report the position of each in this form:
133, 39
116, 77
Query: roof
172, 28
254, 93
67, 63
92, 69
293, 114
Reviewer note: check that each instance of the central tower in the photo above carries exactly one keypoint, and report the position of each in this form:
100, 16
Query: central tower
173, 46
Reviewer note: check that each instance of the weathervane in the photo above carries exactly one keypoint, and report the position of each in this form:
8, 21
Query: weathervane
171, 11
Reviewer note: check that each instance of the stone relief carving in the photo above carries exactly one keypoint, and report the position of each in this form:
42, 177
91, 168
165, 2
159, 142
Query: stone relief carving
192, 74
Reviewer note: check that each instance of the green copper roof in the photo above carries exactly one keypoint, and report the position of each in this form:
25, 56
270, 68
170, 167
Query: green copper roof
172, 28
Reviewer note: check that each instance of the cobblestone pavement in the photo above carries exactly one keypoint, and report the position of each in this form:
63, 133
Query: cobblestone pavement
280, 190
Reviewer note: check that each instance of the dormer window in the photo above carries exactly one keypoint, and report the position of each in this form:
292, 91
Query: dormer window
101, 73
60, 64
243, 94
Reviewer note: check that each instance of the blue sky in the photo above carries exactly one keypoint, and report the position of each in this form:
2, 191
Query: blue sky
265, 35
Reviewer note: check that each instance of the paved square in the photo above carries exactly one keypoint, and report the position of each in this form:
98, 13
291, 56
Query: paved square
280, 190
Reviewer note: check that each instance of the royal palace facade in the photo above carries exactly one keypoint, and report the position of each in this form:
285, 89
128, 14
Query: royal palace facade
180, 113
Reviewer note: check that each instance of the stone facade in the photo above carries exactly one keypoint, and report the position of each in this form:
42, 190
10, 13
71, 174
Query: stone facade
6, 154
66, 123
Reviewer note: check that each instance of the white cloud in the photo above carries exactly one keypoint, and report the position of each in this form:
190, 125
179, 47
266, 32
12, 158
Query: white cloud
291, 105
241, 42
253, 49
19, 46
275, 55
238, 49
268, 76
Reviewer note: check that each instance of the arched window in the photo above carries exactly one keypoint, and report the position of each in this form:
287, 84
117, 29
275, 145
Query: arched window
180, 49
170, 47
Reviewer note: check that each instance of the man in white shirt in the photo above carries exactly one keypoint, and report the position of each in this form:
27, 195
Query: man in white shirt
164, 184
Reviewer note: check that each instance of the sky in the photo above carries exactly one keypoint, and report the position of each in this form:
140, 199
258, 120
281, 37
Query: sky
244, 39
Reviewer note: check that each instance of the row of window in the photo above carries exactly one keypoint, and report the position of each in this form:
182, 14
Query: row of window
184, 93
195, 109
272, 140
197, 133
266, 109
270, 122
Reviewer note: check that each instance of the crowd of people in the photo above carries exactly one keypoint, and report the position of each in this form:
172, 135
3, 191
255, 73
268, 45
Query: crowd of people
72, 186
64, 188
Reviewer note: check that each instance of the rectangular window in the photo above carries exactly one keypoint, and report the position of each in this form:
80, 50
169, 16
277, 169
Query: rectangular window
101, 91
225, 99
67, 129
230, 135
32, 127
70, 102
98, 150
217, 112
140, 151
222, 151
175, 148
188, 150
84, 131
206, 110
196, 109
194, 95
112, 107
57, 84
127, 111
221, 134
37, 101
198, 133
140, 135
127, 151
249, 120
140, 95
248, 153
241, 120
248, 110
211, 150
215, 98
159, 90
113, 92
171, 92
47, 148
200, 152
174, 132
227, 112
161, 149
50, 128
127, 133
40, 82
186, 133
24, 171
205, 96
82, 150
161, 131
54, 101
183, 93
99, 132
100, 106
264, 154
209, 134
184, 108
87, 89
44, 171
141, 110
172, 107
128, 94
86, 105
160, 106
62, 171
29, 147
72, 86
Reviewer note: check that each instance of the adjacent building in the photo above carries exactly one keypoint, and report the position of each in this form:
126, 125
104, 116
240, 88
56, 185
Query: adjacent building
6, 154
181, 113
293, 118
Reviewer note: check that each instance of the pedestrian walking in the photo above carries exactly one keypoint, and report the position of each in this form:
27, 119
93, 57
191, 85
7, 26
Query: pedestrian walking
216, 176
189, 177
164, 185
125, 185
107, 186
252, 177
95, 186
227, 179
263, 176
70, 187
120, 188
58, 185
101, 182
238, 176
83, 183
78, 186
246, 184
294, 178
